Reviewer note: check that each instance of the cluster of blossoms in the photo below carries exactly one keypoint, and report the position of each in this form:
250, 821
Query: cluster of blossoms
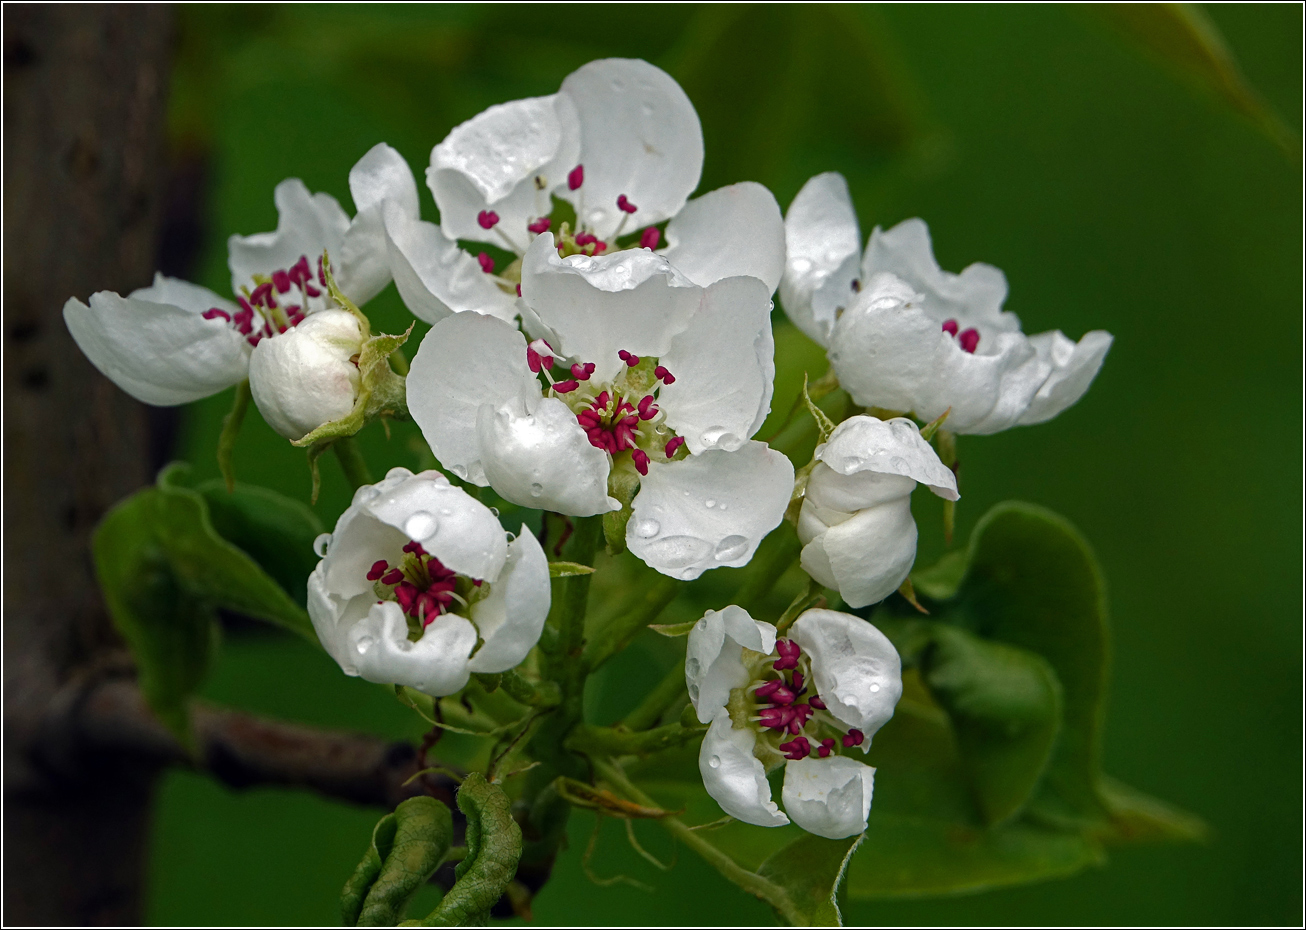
619, 364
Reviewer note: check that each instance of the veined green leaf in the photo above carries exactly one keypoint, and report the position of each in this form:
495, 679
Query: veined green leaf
406, 849
810, 870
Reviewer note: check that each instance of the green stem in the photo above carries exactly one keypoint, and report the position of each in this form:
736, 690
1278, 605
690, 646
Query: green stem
751, 882
610, 741
230, 428
772, 559
351, 462
530, 693
656, 702
617, 633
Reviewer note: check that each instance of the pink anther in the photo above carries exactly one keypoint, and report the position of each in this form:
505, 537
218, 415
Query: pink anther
539, 354
394, 576
969, 340
624, 205
487, 263
663, 375
798, 683
584, 239
827, 746
950, 327
789, 653
816, 702
797, 748
764, 691
378, 569
650, 238
640, 458
799, 720
582, 372
414, 548
629, 358
647, 410
541, 225
281, 280
575, 177
262, 296
776, 718
674, 443
854, 738
487, 219
566, 387
213, 313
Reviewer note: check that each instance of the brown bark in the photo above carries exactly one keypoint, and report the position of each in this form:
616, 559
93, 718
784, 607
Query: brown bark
84, 100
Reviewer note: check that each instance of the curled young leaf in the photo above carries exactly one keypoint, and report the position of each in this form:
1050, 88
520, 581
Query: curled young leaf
407, 847
810, 870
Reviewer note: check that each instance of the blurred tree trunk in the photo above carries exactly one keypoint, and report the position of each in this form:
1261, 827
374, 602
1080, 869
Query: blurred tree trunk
84, 103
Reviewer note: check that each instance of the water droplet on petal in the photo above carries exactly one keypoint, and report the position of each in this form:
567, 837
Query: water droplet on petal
494, 510
647, 529
714, 762
364, 644
898, 464
320, 545
536, 489
709, 503
875, 689
732, 547
717, 436
460, 471
692, 667
421, 525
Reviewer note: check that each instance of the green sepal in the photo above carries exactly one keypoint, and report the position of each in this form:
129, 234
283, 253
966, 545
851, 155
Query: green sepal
673, 629
381, 393
230, 430
568, 569
407, 847
824, 425
623, 484
810, 870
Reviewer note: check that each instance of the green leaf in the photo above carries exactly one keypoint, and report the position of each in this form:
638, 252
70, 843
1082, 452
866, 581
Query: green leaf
939, 582
494, 845
1005, 708
1032, 582
171, 634
810, 870
212, 569
673, 629
1183, 37
276, 531
568, 569
407, 847
1140, 818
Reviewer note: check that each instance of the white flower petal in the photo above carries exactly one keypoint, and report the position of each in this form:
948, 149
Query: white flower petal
307, 224
189, 297
466, 360
713, 664
1075, 365
639, 137
856, 670
734, 777
822, 243
159, 353
709, 510
868, 556
889, 447
435, 278
735, 230
830, 797
633, 300
450, 524
325, 612
436, 664
511, 619
535, 454
493, 161
383, 176
889, 352
723, 364
303, 377
973, 297
380, 178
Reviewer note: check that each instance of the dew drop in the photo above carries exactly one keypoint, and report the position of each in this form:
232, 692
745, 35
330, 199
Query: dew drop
732, 547
692, 667
494, 510
421, 525
875, 689
717, 436
647, 529
398, 472
688, 574
364, 644
320, 545
366, 493
898, 464
714, 762
709, 503
459, 470
536, 489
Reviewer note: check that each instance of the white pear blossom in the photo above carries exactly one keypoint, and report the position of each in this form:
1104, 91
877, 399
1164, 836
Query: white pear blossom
659, 381
176, 342
903, 334
415, 575
855, 524
802, 702
621, 142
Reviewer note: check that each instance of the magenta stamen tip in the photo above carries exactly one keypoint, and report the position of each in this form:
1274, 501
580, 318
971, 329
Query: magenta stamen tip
487, 219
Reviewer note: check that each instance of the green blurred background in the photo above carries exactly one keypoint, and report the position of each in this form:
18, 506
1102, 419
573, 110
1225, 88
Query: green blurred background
1113, 191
